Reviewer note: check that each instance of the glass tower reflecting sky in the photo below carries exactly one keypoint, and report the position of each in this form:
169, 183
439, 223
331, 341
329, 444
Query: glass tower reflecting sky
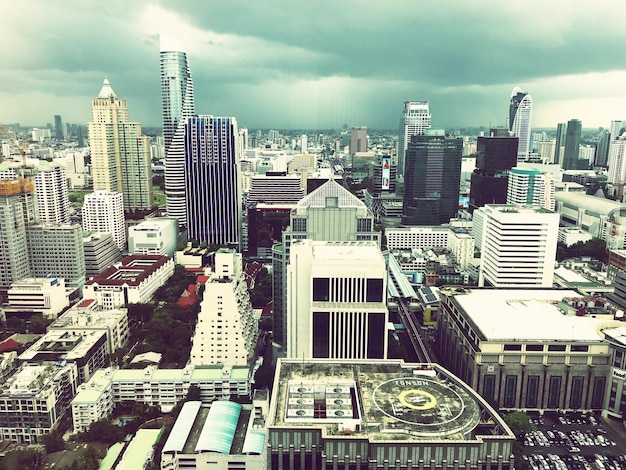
178, 105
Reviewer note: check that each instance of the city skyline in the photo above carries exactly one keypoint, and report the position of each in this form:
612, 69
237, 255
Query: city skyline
292, 66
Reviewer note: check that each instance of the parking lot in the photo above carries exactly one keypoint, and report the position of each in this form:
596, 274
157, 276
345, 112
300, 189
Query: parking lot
572, 441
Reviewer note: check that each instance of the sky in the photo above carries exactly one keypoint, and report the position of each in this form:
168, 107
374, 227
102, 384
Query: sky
293, 64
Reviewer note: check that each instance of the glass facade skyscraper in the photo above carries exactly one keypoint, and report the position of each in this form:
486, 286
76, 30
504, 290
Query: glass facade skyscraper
178, 105
415, 118
212, 184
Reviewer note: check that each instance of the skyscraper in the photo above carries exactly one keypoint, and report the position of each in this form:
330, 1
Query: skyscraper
104, 212
572, 147
602, 148
17, 210
495, 157
59, 128
120, 154
358, 140
520, 121
415, 118
531, 187
330, 213
559, 144
51, 189
432, 179
616, 177
178, 105
212, 180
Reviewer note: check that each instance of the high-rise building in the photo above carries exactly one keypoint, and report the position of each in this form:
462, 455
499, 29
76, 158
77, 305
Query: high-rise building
103, 211
602, 148
120, 154
495, 157
59, 128
571, 150
414, 119
617, 128
517, 245
616, 178
58, 251
53, 201
100, 252
559, 144
432, 179
17, 209
227, 330
212, 180
520, 121
336, 305
358, 140
531, 187
178, 105
330, 213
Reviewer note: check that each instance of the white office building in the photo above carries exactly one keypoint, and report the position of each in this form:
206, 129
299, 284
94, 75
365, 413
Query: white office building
103, 211
414, 119
51, 189
227, 328
517, 245
520, 121
336, 300
42, 295
157, 236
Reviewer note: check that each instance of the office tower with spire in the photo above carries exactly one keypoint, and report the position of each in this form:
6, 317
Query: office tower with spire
212, 180
103, 211
120, 154
572, 147
520, 121
178, 105
432, 179
329, 213
17, 211
415, 118
51, 189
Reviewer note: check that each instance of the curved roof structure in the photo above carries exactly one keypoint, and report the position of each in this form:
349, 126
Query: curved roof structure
219, 428
589, 203
254, 443
182, 427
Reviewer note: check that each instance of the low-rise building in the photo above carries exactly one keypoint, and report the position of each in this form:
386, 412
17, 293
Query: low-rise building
156, 236
157, 387
87, 349
41, 295
34, 399
571, 235
224, 434
524, 351
133, 280
100, 252
86, 316
380, 414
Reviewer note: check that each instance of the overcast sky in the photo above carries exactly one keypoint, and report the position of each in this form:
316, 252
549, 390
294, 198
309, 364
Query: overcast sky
319, 63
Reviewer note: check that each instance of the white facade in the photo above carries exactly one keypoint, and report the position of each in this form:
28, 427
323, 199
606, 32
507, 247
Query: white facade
572, 235
415, 118
227, 328
461, 243
132, 281
616, 177
527, 186
520, 115
517, 244
43, 295
156, 236
336, 300
51, 189
103, 211
408, 238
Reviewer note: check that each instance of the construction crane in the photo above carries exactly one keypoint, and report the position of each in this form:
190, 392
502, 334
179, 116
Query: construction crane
10, 137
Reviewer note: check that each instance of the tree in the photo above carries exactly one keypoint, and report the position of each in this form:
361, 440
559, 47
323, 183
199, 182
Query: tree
194, 393
53, 442
39, 324
520, 423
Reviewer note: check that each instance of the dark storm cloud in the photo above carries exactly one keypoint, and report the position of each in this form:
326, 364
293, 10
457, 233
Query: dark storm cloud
292, 63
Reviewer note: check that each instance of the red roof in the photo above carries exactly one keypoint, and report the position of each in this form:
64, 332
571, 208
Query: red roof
143, 265
9, 344
86, 303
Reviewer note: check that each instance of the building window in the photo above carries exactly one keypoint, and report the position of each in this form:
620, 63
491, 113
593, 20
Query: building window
489, 384
364, 225
374, 290
532, 388
510, 390
575, 399
554, 391
598, 392
512, 347
320, 289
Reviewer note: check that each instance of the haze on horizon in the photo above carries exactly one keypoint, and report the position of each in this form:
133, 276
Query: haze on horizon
295, 65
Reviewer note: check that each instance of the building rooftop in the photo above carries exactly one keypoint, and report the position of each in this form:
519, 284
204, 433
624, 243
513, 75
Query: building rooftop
57, 345
380, 401
524, 314
30, 379
131, 271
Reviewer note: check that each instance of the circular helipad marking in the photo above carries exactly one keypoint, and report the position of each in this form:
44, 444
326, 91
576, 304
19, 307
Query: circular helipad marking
417, 399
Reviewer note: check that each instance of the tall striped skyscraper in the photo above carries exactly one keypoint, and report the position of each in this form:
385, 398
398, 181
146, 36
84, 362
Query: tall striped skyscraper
178, 105
212, 181
415, 118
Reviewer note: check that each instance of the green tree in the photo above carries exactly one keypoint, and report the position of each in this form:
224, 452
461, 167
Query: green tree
39, 324
520, 423
53, 442
194, 393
